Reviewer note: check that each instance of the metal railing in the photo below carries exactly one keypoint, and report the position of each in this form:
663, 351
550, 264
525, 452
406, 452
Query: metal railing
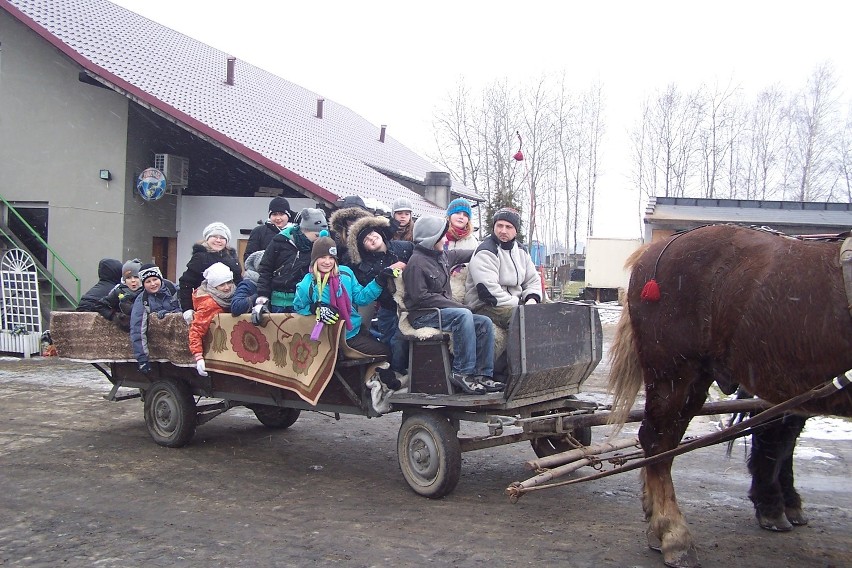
48, 273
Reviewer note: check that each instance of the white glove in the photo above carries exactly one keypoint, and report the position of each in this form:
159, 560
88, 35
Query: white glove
199, 366
188, 315
261, 300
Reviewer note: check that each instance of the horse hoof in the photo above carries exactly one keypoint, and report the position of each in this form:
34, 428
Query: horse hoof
654, 542
776, 524
796, 517
684, 559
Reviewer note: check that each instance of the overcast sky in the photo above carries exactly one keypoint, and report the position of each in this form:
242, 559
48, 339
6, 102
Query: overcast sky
393, 62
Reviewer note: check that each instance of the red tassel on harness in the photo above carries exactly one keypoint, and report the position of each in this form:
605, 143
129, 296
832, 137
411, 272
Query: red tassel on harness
651, 291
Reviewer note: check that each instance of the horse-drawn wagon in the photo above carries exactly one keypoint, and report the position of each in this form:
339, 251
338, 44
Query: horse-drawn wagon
277, 371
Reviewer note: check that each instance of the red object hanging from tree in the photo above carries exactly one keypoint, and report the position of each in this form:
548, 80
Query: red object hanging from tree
519, 156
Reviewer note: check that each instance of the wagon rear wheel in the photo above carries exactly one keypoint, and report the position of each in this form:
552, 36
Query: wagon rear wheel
170, 413
429, 454
275, 416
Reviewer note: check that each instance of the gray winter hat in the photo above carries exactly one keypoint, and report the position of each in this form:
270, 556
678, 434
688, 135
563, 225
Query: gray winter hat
252, 265
131, 268
402, 204
312, 220
429, 229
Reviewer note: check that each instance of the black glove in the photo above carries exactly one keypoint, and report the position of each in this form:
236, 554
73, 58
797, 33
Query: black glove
386, 274
162, 313
326, 314
257, 313
144, 367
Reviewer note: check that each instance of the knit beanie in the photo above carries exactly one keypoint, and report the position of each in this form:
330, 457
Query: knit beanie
509, 215
217, 273
323, 246
252, 266
149, 271
428, 230
131, 268
402, 204
280, 205
460, 205
312, 220
351, 201
217, 228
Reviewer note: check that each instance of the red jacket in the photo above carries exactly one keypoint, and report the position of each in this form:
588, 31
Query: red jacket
206, 309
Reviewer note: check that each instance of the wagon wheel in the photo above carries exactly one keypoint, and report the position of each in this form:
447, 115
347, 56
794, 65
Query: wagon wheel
429, 454
275, 416
549, 445
170, 413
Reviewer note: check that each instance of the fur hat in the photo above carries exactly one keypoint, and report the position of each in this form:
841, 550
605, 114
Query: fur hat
252, 264
342, 219
217, 228
509, 215
323, 246
428, 230
217, 273
280, 205
312, 220
402, 204
460, 205
131, 268
150, 271
360, 229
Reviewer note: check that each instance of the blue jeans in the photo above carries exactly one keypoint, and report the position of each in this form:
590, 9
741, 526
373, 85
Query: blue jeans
473, 339
386, 330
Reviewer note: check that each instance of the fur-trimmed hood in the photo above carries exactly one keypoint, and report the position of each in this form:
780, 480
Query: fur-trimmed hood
341, 219
375, 223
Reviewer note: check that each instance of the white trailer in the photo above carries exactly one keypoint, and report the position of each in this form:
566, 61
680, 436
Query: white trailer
605, 272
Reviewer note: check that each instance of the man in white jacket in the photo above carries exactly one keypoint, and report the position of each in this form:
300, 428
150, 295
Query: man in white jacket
501, 274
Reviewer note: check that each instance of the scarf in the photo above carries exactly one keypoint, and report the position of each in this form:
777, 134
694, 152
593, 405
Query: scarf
405, 233
297, 237
454, 234
337, 295
221, 298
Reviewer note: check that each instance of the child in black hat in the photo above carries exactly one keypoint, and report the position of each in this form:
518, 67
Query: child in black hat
158, 296
261, 236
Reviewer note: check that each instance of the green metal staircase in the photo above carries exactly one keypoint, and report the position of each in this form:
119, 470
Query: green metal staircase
54, 296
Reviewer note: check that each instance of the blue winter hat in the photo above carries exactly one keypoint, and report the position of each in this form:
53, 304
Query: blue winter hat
460, 205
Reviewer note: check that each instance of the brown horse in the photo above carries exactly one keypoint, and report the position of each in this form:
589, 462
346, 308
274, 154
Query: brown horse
735, 305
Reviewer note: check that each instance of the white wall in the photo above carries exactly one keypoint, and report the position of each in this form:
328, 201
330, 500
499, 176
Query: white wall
237, 213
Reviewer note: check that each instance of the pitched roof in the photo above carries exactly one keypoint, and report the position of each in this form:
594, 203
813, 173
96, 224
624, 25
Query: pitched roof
773, 213
265, 118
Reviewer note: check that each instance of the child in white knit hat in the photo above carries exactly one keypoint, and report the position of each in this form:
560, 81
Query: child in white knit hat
215, 247
212, 297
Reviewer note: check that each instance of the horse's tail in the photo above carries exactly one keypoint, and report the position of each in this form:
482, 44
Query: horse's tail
625, 375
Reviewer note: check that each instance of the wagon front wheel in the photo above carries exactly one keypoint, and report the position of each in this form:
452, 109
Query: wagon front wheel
429, 454
170, 413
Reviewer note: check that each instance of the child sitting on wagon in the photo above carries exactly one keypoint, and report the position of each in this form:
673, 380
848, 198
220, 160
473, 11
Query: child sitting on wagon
118, 304
158, 296
331, 292
213, 296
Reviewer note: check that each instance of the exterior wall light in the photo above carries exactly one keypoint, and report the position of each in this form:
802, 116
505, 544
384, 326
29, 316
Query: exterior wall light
105, 175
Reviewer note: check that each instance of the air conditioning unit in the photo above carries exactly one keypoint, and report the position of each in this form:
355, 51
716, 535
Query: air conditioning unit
175, 168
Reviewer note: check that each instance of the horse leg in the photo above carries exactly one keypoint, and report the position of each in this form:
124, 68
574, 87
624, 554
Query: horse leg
771, 468
792, 500
669, 407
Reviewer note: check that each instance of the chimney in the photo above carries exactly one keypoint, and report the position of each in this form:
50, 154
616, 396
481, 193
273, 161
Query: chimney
437, 188
319, 107
382, 133
230, 78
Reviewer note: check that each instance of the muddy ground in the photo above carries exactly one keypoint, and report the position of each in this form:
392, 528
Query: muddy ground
84, 485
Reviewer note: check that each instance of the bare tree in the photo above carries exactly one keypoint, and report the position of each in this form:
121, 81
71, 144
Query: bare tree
456, 137
814, 118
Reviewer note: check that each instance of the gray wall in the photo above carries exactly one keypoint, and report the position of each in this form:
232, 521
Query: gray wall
55, 134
